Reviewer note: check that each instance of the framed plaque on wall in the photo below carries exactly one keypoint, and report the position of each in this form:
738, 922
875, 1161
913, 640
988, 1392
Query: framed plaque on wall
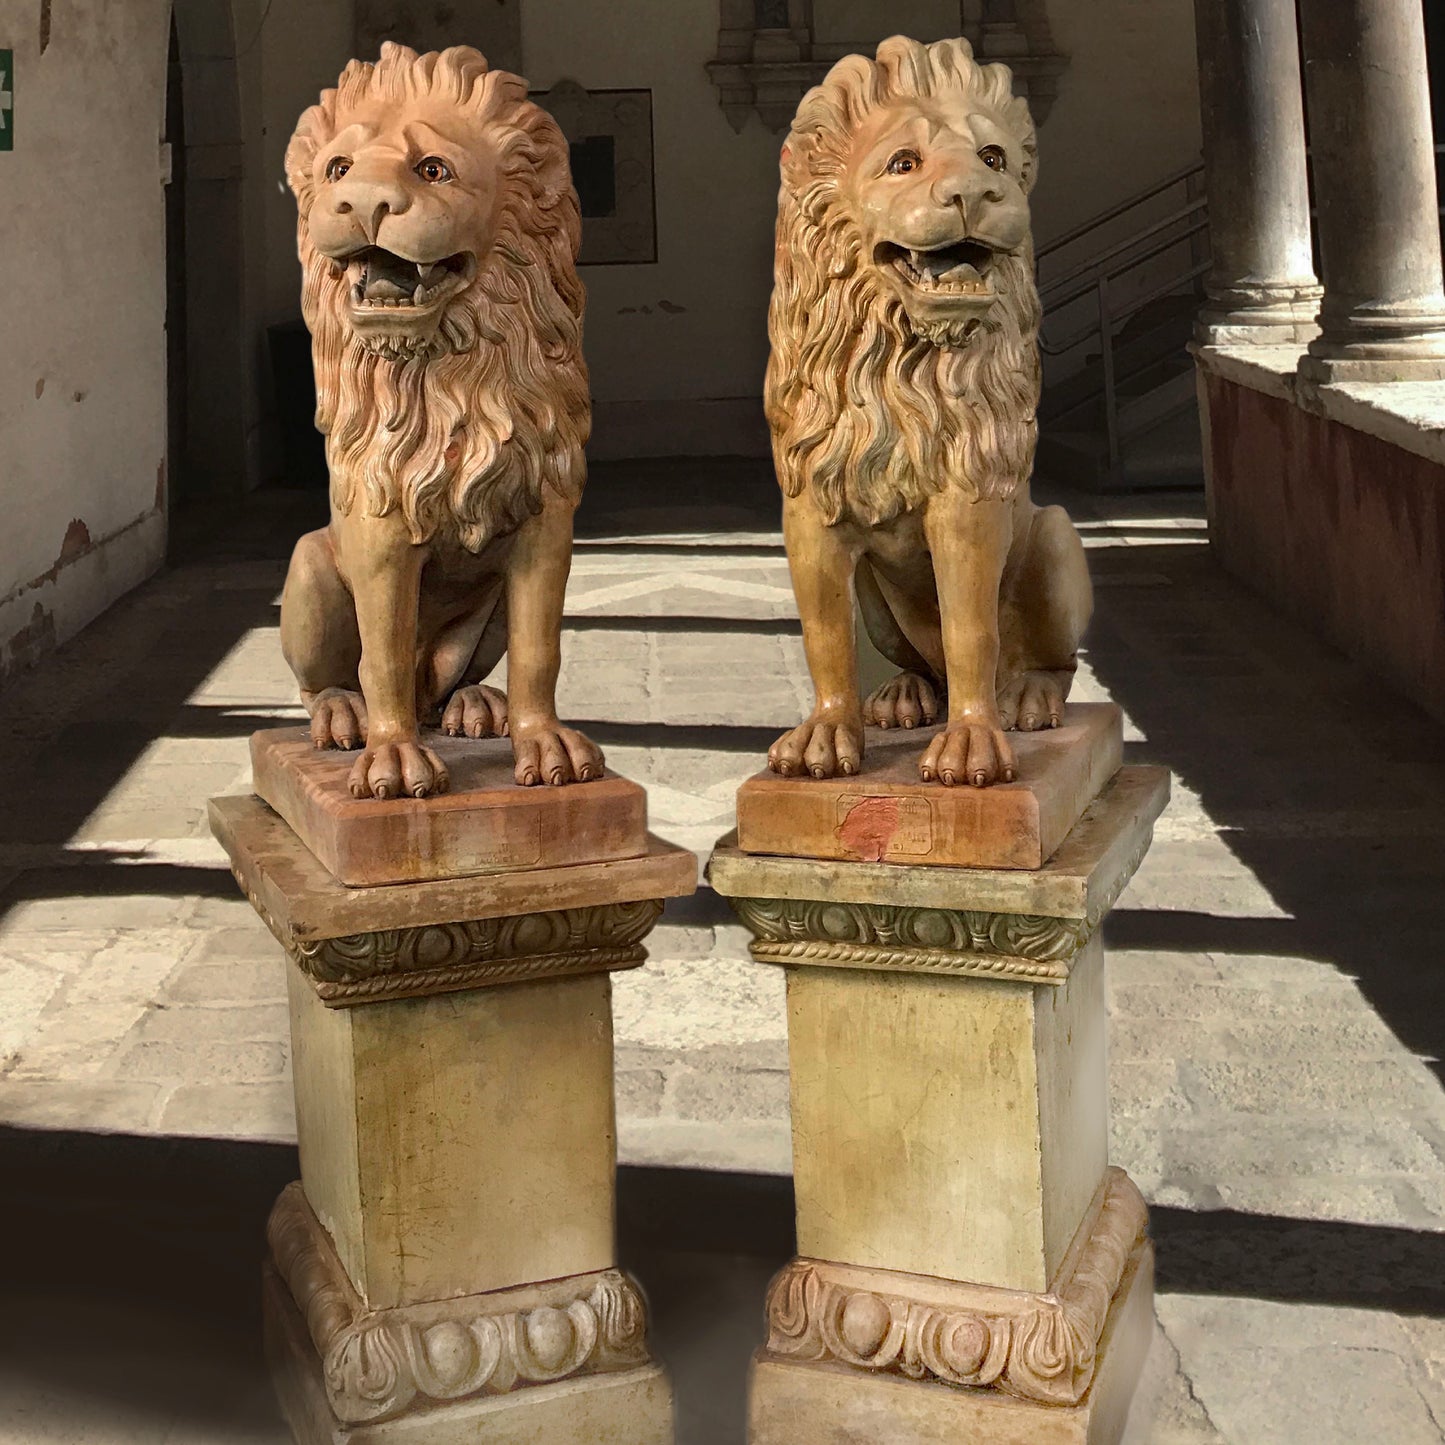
609, 133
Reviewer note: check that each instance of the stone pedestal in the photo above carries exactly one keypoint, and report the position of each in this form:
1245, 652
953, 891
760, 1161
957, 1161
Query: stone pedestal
445, 1270
969, 1265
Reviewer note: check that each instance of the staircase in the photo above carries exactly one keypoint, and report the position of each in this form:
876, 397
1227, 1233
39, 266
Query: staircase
1120, 293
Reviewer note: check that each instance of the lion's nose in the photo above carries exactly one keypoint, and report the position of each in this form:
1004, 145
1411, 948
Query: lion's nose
967, 189
371, 202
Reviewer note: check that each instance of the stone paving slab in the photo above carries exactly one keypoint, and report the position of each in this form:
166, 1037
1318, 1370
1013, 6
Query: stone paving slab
1275, 1029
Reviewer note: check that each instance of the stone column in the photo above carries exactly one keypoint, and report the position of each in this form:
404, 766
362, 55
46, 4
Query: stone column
1262, 287
445, 1270
1383, 316
970, 1267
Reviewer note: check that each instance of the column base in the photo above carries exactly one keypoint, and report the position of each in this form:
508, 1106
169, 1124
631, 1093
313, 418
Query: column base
545, 1364
1325, 370
1400, 341
1291, 318
828, 1402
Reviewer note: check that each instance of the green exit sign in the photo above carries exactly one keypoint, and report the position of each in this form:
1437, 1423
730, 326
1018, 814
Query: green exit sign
7, 100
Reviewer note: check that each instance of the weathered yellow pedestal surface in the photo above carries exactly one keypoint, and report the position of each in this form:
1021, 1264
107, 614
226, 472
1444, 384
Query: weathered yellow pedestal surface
445, 1270
970, 1267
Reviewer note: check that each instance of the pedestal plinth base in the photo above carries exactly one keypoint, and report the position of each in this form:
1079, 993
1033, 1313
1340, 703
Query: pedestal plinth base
826, 1402
544, 1364
629, 1407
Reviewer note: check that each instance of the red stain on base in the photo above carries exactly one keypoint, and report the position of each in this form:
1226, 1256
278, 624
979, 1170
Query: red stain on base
869, 828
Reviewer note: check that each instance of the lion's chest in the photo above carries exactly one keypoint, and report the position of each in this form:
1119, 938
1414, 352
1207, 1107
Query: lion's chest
453, 576
899, 550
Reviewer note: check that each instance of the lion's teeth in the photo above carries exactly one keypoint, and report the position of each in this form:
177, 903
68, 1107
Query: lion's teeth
419, 295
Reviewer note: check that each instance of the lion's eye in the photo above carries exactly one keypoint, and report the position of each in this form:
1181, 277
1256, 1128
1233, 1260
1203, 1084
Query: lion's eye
994, 158
434, 170
900, 163
337, 167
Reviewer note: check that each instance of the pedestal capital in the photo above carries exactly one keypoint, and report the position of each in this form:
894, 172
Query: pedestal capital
1026, 926
362, 945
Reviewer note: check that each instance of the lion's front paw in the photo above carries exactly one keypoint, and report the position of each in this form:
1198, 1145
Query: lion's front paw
555, 755
907, 701
475, 711
338, 718
819, 746
390, 770
965, 752
1034, 700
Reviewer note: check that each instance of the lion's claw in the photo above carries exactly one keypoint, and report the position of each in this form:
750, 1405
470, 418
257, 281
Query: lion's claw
973, 753
390, 769
822, 748
338, 719
476, 711
555, 755
906, 701
1034, 701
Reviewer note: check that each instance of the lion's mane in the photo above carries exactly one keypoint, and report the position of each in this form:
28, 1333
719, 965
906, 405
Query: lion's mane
468, 434
864, 412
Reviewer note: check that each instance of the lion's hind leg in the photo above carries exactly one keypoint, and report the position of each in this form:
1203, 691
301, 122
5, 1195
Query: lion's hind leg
322, 644
473, 709
915, 697
1045, 605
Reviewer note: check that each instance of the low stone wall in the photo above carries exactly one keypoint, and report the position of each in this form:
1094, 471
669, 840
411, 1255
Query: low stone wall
1340, 523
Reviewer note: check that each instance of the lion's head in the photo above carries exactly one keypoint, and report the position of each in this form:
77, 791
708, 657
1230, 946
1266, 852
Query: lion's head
904, 318
438, 232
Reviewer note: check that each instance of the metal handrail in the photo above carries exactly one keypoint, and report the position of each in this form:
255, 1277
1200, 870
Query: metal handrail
1091, 269
1059, 347
1119, 259
1195, 168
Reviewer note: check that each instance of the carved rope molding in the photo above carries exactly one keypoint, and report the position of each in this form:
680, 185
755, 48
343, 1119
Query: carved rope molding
377, 1364
1044, 1351
1031, 948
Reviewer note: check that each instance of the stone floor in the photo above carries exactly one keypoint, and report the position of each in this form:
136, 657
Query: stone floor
1276, 1030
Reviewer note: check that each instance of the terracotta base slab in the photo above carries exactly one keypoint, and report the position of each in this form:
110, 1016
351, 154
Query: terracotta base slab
485, 822
630, 1407
885, 814
827, 1404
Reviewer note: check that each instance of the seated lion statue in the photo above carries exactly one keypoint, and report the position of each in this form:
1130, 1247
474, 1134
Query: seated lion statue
438, 234
901, 394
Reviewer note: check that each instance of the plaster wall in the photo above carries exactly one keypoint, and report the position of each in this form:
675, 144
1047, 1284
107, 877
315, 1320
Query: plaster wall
83, 360
303, 50
1127, 111
677, 349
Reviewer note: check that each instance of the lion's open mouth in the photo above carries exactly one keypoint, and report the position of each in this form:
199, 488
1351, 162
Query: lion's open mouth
961, 269
380, 278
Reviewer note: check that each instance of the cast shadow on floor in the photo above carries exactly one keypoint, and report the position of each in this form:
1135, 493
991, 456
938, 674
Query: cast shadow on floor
132, 1279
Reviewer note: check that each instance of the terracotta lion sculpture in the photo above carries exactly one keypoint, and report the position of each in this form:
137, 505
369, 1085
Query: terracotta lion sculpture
438, 235
901, 394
